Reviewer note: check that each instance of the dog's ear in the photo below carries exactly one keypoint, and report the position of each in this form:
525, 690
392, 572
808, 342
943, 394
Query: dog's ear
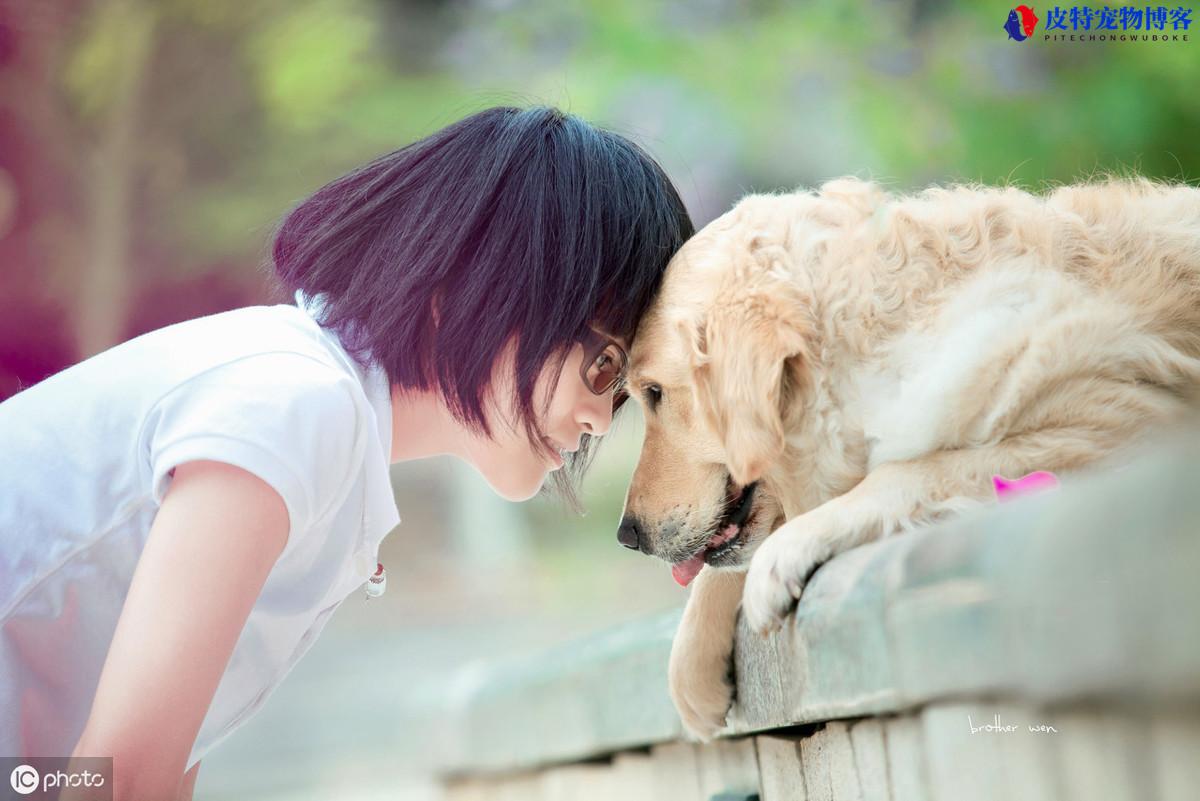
749, 352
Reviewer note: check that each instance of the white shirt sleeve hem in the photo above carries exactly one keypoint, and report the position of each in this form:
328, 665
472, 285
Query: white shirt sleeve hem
239, 453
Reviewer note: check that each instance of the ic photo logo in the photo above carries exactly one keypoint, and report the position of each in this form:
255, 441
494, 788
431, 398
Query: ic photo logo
41, 778
24, 779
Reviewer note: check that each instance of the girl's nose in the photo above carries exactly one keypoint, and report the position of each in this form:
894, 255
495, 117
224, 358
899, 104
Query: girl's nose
595, 414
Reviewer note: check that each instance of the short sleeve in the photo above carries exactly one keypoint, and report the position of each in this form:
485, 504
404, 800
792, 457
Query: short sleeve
287, 418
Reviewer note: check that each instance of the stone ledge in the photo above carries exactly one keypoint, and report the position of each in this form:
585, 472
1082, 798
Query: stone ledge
1085, 593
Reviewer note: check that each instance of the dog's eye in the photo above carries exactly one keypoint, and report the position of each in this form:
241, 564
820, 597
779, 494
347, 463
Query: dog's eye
653, 393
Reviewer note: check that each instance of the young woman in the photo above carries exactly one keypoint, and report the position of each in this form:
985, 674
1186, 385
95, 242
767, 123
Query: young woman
180, 514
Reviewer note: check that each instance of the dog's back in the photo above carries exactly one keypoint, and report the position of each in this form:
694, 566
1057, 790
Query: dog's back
1129, 242
1140, 240
998, 310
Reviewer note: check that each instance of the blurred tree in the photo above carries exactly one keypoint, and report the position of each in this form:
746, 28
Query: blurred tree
107, 76
158, 142
37, 182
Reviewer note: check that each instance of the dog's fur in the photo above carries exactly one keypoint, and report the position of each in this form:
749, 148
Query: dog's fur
871, 360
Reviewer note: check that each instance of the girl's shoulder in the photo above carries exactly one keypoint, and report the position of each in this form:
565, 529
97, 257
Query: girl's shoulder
156, 362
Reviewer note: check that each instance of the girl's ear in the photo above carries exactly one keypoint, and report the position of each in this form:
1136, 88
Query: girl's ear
741, 346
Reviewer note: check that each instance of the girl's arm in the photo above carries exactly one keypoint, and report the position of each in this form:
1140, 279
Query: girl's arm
188, 786
213, 542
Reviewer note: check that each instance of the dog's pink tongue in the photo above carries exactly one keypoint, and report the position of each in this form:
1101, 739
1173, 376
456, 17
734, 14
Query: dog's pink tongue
684, 572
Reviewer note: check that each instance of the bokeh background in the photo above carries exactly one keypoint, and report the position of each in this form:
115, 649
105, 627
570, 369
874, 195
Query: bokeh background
148, 148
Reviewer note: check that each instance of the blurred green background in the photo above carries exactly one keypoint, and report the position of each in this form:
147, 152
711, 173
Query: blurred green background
148, 147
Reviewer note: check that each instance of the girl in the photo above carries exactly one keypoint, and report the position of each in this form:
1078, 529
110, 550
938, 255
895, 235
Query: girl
180, 514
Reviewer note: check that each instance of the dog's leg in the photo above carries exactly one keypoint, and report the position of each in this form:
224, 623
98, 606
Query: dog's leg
900, 495
699, 674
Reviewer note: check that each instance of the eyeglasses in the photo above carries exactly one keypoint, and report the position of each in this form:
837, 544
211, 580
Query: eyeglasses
603, 367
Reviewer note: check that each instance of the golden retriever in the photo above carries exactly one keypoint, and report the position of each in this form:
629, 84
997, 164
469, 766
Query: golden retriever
835, 366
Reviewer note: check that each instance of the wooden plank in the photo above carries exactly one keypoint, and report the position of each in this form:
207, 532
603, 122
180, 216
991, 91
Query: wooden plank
1028, 759
779, 770
815, 762
870, 759
962, 762
633, 775
1175, 744
843, 774
676, 772
1104, 756
520, 787
907, 769
728, 766
584, 782
465, 790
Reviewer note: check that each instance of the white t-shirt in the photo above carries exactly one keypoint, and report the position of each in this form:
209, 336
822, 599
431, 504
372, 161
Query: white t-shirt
85, 460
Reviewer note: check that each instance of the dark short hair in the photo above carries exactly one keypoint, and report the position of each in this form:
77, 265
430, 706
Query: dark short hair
511, 221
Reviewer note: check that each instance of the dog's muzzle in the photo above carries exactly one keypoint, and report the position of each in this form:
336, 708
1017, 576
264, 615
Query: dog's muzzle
631, 535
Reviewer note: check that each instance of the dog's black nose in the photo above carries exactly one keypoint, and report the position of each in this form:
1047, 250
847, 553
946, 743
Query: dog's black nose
628, 534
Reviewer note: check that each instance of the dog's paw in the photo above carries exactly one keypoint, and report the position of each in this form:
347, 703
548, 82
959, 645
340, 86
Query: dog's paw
701, 684
778, 571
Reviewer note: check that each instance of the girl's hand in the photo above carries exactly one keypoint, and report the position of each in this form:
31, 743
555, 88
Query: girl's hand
213, 542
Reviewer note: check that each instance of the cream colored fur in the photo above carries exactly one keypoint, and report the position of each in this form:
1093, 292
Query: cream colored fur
873, 359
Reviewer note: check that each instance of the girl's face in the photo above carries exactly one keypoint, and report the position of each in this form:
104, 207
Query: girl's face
509, 463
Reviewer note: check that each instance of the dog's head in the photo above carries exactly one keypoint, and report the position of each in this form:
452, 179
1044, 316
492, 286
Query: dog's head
718, 363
